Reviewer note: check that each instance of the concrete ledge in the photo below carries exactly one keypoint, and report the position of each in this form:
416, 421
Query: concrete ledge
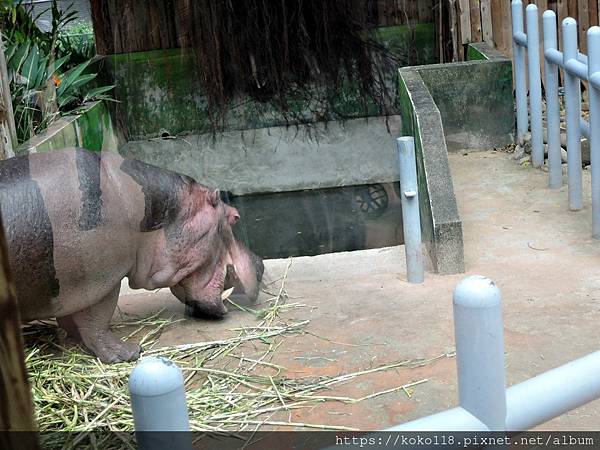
453, 107
440, 221
281, 159
91, 129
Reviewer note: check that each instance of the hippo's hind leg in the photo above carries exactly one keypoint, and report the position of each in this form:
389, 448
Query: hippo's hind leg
91, 325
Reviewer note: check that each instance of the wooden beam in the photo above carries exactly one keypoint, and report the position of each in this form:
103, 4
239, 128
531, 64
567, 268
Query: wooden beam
439, 18
497, 31
465, 21
562, 12
572, 8
506, 27
475, 20
486, 21
593, 12
583, 23
16, 405
425, 13
453, 30
102, 27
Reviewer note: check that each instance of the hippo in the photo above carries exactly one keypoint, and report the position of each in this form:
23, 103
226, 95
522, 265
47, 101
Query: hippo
77, 222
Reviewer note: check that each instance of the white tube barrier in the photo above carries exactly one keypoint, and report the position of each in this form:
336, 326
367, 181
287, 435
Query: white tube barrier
576, 67
593, 39
573, 112
519, 42
411, 219
552, 103
535, 86
485, 405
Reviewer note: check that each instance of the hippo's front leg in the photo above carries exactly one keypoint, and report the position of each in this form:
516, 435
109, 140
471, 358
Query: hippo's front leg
91, 326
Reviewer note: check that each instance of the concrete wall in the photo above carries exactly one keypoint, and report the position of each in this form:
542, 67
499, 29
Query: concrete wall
440, 222
160, 94
474, 99
279, 159
93, 130
453, 107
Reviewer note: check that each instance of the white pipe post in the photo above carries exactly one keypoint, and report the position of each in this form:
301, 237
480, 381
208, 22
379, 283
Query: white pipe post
479, 339
158, 403
573, 113
411, 219
535, 86
593, 37
552, 103
520, 72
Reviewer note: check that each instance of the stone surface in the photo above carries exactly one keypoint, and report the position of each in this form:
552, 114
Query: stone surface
440, 221
363, 313
281, 159
475, 102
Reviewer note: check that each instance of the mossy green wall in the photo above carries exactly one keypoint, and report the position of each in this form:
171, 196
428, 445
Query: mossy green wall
158, 92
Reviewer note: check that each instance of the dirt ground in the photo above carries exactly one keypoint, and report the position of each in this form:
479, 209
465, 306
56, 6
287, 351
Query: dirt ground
364, 314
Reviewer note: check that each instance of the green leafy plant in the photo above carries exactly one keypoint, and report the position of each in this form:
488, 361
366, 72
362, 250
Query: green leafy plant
49, 72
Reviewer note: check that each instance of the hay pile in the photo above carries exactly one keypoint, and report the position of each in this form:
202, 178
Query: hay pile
226, 391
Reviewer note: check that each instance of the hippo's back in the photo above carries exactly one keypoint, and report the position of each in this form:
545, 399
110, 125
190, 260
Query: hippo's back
28, 231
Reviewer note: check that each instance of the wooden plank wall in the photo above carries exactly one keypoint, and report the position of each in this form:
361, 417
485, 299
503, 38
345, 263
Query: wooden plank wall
123, 26
402, 12
490, 20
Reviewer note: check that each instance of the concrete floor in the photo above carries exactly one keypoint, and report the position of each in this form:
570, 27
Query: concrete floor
516, 231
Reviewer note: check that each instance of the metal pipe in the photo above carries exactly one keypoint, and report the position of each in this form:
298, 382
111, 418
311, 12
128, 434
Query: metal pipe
552, 103
530, 403
520, 38
520, 72
593, 38
455, 419
552, 54
576, 68
479, 337
485, 404
556, 56
553, 393
584, 127
573, 113
158, 404
411, 219
535, 86
595, 80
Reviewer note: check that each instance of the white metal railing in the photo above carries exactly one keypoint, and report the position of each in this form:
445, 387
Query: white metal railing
576, 68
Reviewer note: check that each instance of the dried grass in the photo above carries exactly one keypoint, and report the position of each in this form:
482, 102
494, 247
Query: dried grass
226, 390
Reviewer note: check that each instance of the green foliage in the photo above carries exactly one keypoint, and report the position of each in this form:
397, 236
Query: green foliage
48, 71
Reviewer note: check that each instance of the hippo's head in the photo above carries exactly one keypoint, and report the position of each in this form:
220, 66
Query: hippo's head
191, 248
221, 261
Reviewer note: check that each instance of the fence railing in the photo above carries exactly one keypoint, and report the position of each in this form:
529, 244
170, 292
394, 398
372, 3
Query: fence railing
576, 67
485, 403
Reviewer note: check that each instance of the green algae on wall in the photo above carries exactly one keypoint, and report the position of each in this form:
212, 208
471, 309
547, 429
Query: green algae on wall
159, 94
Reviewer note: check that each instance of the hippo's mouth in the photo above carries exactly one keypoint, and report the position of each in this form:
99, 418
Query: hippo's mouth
204, 299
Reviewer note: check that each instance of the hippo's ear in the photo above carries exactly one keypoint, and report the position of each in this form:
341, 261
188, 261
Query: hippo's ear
213, 197
232, 215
